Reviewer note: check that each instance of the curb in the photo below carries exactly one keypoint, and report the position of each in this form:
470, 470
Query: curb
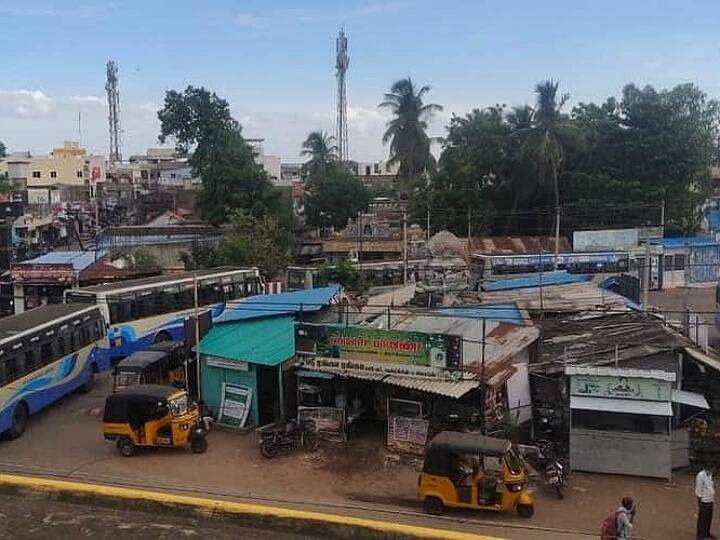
251, 515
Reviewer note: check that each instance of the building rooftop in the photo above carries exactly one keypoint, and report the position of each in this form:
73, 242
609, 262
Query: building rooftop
542, 279
79, 260
686, 241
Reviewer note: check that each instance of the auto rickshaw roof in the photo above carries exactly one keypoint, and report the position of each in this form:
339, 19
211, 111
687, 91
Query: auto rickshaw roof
165, 346
470, 443
141, 359
144, 392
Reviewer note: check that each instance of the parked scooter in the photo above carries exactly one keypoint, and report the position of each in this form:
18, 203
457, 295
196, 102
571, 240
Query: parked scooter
288, 437
554, 469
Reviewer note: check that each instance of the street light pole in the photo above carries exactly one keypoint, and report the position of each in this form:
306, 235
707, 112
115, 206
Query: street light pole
197, 333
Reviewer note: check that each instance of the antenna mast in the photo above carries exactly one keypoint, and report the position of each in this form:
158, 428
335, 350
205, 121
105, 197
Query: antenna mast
341, 65
113, 95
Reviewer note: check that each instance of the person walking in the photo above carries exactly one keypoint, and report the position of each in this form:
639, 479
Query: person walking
705, 493
625, 515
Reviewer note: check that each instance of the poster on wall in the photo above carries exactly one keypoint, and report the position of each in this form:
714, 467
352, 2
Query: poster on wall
620, 387
235, 405
407, 434
442, 351
329, 421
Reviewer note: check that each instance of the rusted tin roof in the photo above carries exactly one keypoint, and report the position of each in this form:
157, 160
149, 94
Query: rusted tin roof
516, 245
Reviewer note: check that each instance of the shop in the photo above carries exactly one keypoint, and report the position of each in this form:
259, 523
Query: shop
246, 371
622, 421
411, 383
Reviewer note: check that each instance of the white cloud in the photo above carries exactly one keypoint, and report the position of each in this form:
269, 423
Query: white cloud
95, 100
24, 102
251, 22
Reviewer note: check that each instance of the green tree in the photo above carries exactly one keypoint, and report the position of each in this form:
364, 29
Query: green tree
407, 132
3, 150
198, 119
345, 274
332, 199
321, 150
143, 260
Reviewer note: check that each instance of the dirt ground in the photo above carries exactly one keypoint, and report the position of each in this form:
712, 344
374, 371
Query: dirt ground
359, 477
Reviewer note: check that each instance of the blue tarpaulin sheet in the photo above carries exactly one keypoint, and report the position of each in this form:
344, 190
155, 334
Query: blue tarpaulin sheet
505, 312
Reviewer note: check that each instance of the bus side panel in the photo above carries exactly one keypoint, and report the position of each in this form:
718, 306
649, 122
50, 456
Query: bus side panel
128, 338
46, 385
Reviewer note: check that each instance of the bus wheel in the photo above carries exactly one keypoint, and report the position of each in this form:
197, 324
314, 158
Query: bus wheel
162, 336
434, 506
19, 420
90, 383
126, 447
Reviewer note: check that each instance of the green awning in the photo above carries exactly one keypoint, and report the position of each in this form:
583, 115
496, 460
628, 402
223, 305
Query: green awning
268, 342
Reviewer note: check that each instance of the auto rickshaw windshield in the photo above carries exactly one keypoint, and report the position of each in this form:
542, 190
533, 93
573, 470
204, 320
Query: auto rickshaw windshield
514, 462
179, 405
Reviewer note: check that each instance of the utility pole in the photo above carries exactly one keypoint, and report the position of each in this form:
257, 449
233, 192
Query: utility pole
405, 249
197, 333
482, 380
557, 236
646, 275
469, 233
662, 215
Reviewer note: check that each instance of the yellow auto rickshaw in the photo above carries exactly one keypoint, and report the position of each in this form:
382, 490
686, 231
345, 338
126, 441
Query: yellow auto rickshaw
469, 470
161, 363
152, 415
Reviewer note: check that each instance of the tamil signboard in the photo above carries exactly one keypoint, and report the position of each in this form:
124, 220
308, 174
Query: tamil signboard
61, 273
604, 386
417, 349
235, 405
380, 368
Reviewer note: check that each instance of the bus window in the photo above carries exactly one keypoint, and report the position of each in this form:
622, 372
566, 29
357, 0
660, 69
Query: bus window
32, 358
75, 341
11, 369
46, 352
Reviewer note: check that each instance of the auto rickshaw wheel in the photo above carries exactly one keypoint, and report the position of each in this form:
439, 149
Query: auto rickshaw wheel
434, 506
19, 420
525, 510
198, 445
126, 447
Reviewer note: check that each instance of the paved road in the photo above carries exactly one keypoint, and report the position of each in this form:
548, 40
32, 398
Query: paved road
41, 518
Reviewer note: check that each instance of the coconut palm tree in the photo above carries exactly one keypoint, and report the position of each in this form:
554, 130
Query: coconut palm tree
320, 147
406, 132
552, 127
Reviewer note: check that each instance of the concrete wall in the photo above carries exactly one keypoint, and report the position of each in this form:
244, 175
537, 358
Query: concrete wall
212, 379
636, 454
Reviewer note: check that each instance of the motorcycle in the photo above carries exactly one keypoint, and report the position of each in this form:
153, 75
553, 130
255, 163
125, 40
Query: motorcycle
554, 469
290, 436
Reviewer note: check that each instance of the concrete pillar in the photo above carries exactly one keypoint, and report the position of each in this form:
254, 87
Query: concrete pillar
18, 298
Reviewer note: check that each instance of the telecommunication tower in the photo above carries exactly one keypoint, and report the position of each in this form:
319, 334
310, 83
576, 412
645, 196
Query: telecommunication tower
341, 65
113, 96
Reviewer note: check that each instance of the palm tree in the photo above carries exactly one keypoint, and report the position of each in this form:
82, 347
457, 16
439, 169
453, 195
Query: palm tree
551, 125
406, 132
522, 154
322, 151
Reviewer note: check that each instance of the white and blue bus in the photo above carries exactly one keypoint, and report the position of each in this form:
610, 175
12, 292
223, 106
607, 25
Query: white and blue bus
45, 354
140, 312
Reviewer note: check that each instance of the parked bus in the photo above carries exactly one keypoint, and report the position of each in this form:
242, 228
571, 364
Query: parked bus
45, 354
144, 311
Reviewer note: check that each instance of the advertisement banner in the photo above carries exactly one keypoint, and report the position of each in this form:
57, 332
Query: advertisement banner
407, 434
235, 405
42, 273
441, 351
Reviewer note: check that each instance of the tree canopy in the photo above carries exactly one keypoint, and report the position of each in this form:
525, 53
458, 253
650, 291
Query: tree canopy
3, 150
198, 120
504, 171
333, 194
407, 132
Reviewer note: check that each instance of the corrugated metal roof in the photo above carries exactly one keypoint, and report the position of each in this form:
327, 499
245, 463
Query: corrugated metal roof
600, 371
268, 342
80, 260
516, 245
536, 280
689, 241
453, 389
506, 312
629, 406
267, 305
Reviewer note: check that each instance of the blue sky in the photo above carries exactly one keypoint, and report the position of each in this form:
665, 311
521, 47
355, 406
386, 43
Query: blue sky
273, 60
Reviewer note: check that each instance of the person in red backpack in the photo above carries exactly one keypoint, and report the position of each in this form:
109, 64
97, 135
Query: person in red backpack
619, 524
